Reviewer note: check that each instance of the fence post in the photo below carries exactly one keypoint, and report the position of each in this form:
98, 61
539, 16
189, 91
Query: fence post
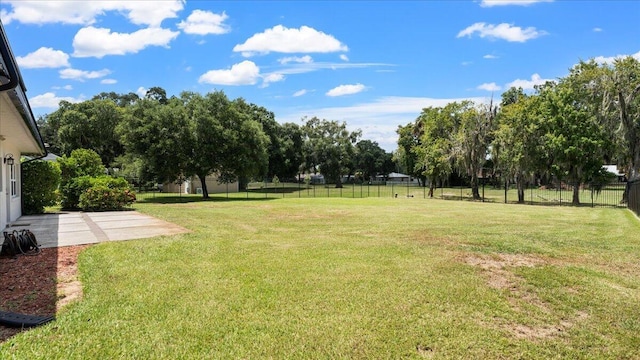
560, 192
506, 188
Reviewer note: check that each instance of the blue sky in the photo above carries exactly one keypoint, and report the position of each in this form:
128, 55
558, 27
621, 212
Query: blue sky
372, 64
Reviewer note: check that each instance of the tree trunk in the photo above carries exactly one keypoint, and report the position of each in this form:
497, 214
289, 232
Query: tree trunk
632, 138
432, 186
203, 182
520, 184
422, 179
631, 176
576, 194
474, 188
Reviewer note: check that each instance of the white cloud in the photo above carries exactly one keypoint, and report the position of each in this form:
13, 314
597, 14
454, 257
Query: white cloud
244, 73
528, 84
108, 81
299, 92
489, 87
50, 100
150, 13
345, 90
466, 63
490, 57
610, 59
502, 31
98, 42
45, 57
491, 3
295, 59
284, 40
378, 119
82, 75
597, 29
142, 91
66, 87
271, 78
202, 22
302, 68
344, 57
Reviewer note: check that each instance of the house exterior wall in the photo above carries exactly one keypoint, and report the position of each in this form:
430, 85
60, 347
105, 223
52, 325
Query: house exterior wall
19, 132
10, 206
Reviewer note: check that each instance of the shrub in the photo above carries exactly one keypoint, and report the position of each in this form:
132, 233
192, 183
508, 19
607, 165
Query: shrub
103, 198
40, 180
104, 193
75, 170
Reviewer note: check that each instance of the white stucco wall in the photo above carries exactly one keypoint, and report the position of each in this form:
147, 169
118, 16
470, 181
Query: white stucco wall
10, 206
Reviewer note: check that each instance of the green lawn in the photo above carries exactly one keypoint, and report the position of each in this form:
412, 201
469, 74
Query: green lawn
375, 278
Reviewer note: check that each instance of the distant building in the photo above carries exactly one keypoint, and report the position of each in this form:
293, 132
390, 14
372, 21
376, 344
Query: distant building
613, 169
395, 178
194, 186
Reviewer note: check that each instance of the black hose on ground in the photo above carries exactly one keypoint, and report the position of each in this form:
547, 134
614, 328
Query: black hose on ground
20, 243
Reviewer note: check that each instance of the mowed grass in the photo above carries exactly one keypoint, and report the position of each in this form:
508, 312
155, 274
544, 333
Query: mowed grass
357, 278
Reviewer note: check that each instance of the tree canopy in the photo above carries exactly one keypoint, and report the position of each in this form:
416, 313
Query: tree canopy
329, 148
562, 132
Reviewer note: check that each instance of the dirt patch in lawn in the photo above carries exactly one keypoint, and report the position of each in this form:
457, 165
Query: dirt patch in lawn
40, 284
496, 267
498, 271
538, 332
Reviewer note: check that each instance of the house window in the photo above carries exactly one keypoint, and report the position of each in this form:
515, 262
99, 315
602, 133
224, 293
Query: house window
13, 180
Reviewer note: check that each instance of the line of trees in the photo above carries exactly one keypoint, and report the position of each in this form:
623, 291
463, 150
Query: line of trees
566, 129
164, 139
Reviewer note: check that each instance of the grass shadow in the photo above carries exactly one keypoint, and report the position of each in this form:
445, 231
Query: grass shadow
275, 191
194, 199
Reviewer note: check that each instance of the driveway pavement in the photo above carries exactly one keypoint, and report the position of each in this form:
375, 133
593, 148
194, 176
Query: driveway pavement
78, 228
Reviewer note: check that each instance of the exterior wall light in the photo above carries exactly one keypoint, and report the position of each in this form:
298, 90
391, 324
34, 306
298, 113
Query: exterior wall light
8, 159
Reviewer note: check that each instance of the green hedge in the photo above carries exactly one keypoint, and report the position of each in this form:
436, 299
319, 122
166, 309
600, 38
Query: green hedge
40, 180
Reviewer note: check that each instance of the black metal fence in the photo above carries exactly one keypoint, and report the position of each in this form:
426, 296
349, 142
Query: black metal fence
593, 195
634, 197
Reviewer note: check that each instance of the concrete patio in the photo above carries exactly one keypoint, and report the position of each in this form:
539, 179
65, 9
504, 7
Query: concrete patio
78, 228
